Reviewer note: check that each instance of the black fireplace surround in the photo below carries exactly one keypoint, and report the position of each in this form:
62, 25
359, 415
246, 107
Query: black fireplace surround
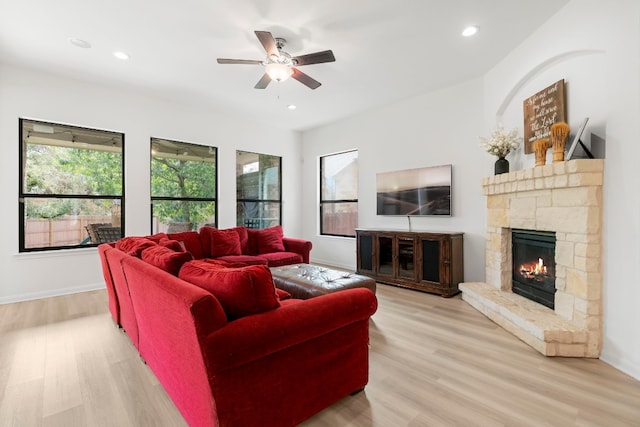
534, 265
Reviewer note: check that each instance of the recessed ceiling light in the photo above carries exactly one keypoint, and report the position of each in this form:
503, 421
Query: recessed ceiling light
79, 43
291, 107
469, 31
121, 55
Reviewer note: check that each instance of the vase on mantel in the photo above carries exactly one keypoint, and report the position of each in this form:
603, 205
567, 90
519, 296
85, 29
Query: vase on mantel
501, 166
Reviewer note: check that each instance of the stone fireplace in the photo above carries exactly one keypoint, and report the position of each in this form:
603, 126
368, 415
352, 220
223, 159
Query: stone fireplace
564, 199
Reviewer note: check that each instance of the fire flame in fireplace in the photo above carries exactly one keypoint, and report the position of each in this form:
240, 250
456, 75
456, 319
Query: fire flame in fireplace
534, 270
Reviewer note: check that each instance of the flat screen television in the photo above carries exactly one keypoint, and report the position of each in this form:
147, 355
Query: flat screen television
420, 192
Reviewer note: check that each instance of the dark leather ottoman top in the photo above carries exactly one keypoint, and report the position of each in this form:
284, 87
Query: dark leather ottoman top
305, 281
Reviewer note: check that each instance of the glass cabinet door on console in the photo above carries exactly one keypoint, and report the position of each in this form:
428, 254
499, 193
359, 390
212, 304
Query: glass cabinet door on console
386, 255
406, 257
431, 260
366, 262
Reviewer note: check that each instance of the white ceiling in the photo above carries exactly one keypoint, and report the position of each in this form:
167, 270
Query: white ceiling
385, 50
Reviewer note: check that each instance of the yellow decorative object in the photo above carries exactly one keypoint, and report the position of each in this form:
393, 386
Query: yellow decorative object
559, 136
540, 147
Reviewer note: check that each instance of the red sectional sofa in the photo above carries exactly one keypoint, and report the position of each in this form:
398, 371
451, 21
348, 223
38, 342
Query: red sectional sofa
229, 349
239, 244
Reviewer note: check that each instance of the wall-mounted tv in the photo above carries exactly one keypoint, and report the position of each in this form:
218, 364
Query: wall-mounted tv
421, 191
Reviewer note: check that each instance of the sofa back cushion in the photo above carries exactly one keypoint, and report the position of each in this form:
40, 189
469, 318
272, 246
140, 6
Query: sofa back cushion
157, 237
165, 258
243, 235
174, 245
252, 241
220, 242
241, 291
134, 245
191, 241
269, 240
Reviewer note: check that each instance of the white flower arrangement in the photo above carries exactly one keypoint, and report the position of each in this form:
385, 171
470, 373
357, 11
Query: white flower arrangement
501, 143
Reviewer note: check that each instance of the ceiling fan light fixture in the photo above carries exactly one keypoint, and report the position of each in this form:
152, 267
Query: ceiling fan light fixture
278, 72
280, 65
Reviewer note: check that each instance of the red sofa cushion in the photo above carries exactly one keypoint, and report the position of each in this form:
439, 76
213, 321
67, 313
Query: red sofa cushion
252, 241
244, 260
174, 245
220, 242
277, 259
134, 245
269, 240
191, 240
164, 240
157, 237
243, 234
241, 291
166, 259
224, 263
282, 294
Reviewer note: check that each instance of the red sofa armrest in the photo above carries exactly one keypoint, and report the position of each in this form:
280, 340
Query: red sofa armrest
114, 304
299, 246
254, 337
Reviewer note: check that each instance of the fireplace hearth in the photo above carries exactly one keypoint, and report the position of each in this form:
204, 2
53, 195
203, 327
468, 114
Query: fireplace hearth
534, 266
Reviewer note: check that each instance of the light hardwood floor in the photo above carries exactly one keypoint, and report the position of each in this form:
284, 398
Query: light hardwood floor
434, 362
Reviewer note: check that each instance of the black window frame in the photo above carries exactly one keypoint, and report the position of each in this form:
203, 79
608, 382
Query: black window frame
23, 195
189, 146
324, 202
240, 200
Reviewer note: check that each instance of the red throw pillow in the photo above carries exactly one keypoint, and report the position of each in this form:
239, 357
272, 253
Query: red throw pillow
157, 237
134, 245
165, 258
243, 234
221, 242
191, 240
174, 245
282, 294
241, 291
252, 244
270, 240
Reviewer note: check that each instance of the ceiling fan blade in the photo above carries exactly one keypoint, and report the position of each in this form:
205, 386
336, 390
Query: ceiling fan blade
238, 61
263, 82
314, 58
268, 42
303, 78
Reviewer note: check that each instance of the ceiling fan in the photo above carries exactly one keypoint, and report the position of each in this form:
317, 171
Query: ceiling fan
280, 65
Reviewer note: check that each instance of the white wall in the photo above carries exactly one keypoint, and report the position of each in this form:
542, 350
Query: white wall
595, 47
433, 129
31, 94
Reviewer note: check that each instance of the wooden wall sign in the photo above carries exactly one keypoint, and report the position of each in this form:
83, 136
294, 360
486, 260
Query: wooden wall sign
541, 111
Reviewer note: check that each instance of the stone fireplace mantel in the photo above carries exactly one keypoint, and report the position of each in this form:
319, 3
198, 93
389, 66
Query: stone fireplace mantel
564, 197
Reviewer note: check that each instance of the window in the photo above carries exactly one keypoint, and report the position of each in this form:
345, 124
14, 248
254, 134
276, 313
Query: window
339, 194
71, 186
183, 186
258, 189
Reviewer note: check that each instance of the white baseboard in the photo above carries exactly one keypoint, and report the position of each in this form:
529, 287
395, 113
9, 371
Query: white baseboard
348, 267
621, 364
51, 293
